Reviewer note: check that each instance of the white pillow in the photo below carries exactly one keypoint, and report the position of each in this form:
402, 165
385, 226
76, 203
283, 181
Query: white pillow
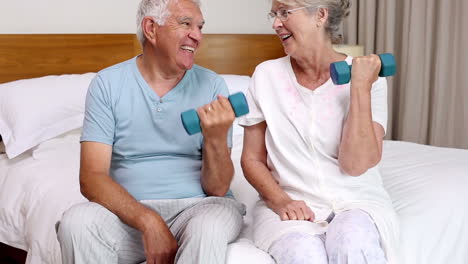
35, 110
69, 141
237, 83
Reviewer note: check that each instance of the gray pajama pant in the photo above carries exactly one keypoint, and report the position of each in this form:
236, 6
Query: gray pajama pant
203, 227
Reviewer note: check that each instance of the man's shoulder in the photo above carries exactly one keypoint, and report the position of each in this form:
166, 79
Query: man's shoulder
212, 82
116, 70
110, 81
204, 72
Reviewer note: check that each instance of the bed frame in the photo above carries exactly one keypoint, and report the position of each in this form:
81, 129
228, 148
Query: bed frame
29, 56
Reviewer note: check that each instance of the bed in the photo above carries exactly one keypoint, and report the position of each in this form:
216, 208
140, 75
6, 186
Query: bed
39, 176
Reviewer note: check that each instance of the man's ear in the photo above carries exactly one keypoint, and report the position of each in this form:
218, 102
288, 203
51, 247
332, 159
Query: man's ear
149, 27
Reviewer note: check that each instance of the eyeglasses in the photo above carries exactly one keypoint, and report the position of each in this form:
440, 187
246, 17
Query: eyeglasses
283, 14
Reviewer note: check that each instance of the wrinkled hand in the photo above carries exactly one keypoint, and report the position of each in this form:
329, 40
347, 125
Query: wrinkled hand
216, 118
159, 243
293, 210
365, 69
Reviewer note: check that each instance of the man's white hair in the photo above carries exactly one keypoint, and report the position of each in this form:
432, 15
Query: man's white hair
158, 9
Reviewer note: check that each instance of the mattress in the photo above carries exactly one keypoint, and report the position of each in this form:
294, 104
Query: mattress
426, 185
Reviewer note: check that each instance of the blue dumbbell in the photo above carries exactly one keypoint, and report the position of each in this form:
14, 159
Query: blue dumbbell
340, 71
191, 121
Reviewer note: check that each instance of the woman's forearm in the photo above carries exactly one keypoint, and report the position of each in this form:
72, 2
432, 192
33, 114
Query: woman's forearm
359, 147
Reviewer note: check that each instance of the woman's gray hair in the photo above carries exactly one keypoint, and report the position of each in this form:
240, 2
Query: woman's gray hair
158, 9
337, 11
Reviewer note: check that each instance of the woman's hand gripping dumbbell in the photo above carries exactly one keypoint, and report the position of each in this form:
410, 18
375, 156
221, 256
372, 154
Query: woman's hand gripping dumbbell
212, 113
340, 72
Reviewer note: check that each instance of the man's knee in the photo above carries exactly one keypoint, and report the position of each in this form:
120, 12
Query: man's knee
77, 221
217, 223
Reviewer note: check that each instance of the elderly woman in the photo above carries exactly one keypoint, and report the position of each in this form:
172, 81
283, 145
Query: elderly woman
311, 147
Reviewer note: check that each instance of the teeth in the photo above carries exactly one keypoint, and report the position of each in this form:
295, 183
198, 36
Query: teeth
285, 36
191, 49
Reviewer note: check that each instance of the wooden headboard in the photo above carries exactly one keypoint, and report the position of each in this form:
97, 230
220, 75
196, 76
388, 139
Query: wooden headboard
28, 56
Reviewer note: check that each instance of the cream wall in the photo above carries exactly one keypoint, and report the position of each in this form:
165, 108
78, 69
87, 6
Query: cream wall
118, 16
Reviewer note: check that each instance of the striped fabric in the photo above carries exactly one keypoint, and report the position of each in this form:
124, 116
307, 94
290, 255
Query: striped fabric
203, 227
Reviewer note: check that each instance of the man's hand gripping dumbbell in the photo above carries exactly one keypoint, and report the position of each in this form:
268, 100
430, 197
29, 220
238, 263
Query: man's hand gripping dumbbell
215, 114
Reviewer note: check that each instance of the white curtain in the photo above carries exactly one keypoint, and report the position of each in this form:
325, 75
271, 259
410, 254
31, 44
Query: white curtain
428, 98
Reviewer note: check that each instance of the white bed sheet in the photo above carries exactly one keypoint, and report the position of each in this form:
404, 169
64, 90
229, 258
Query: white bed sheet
35, 193
11, 221
426, 185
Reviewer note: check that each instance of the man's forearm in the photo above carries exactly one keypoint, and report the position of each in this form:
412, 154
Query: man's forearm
102, 189
217, 169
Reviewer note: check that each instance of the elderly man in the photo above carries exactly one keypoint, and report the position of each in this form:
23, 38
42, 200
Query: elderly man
155, 193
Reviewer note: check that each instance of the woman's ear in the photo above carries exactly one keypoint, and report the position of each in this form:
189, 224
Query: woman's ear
149, 27
322, 16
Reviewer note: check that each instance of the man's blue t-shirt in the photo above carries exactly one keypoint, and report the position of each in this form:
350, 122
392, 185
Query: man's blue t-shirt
152, 155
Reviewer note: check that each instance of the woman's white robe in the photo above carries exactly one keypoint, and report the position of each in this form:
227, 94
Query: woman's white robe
303, 135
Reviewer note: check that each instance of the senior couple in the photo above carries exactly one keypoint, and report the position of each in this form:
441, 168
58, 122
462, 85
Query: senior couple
310, 150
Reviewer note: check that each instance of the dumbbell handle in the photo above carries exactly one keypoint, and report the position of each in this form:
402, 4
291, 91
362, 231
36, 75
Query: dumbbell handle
340, 71
191, 121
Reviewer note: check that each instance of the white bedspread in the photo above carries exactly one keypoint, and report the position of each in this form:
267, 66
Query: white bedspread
427, 186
